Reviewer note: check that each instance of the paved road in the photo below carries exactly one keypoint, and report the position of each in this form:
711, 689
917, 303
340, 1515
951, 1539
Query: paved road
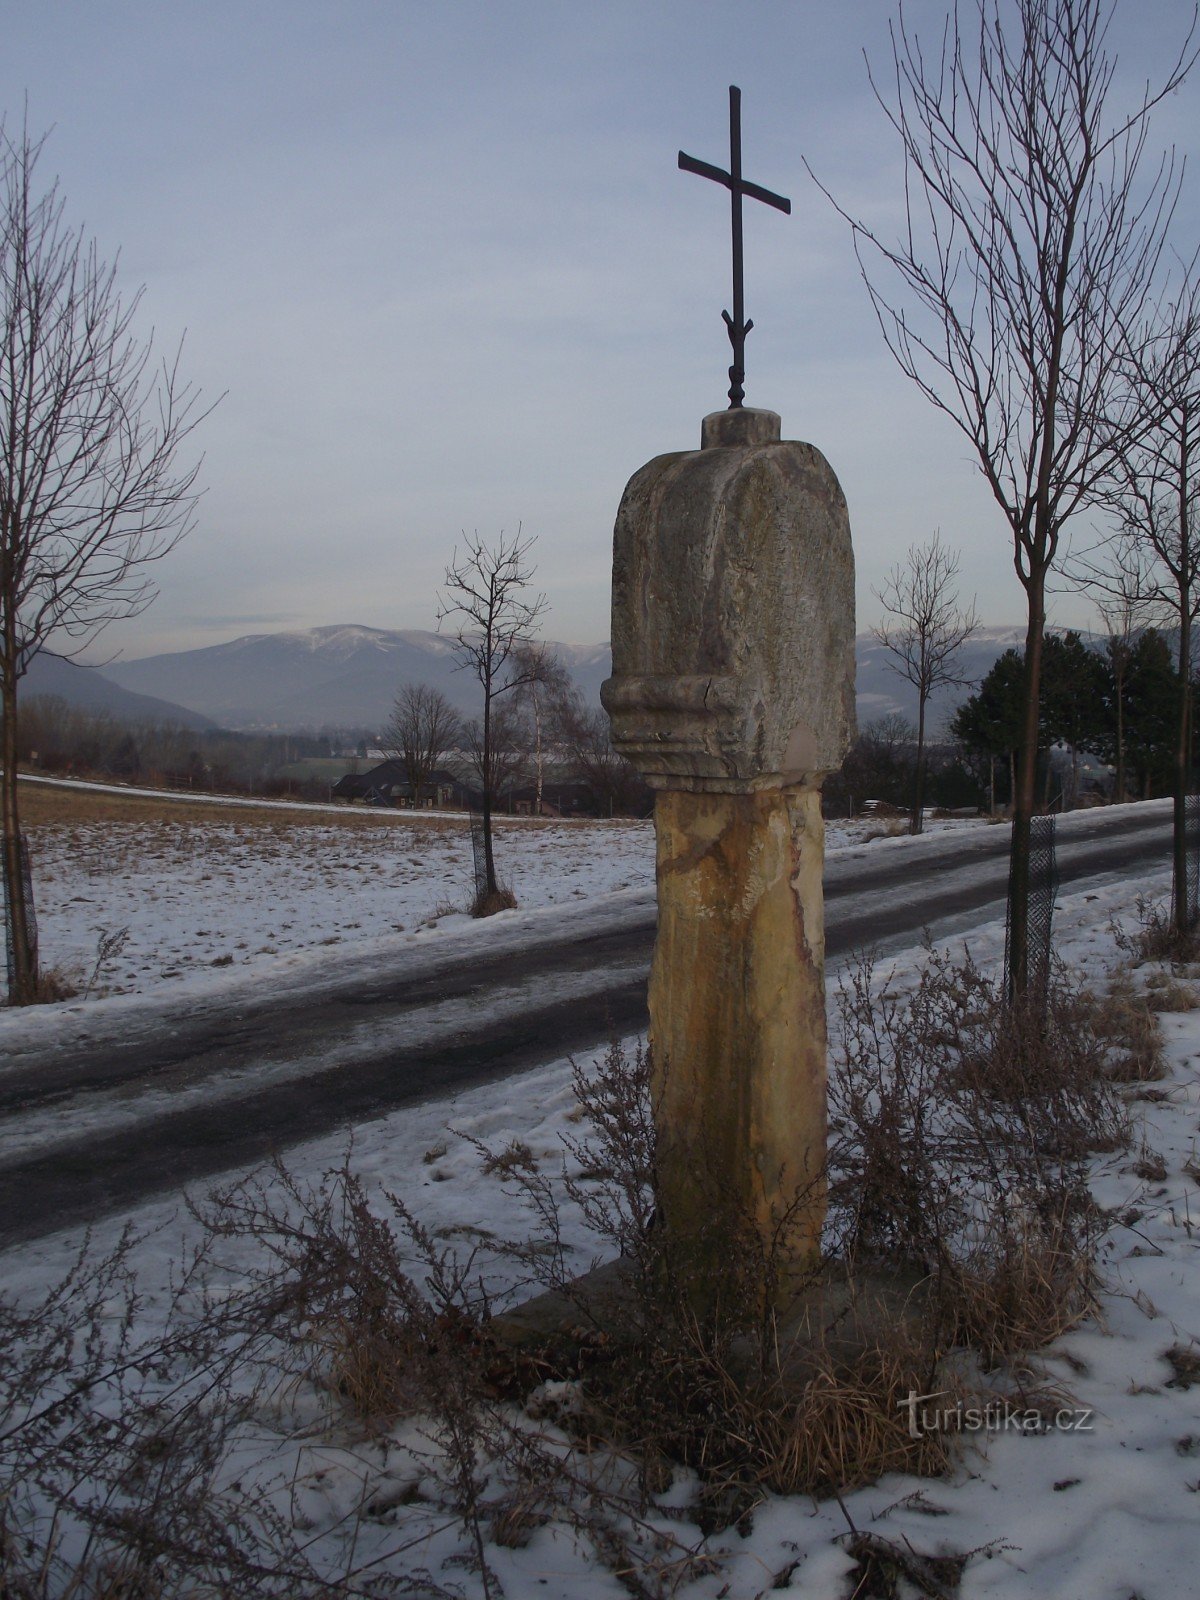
103, 1118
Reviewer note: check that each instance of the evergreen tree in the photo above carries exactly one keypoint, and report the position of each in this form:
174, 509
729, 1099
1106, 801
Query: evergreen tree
1151, 707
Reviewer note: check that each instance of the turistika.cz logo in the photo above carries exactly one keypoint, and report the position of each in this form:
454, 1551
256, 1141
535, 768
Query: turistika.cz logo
997, 1416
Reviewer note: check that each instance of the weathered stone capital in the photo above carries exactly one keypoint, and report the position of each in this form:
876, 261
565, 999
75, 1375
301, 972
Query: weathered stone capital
740, 425
733, 613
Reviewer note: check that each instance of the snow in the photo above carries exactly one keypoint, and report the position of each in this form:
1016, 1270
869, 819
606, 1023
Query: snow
249, 893
282, 889
1102, 1514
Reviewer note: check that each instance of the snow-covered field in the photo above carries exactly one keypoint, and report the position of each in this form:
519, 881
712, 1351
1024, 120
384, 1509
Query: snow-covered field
183, 895
1109, 1513
191, 895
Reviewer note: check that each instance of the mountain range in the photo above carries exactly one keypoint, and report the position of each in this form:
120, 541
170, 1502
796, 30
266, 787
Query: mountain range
94, 690
347, 676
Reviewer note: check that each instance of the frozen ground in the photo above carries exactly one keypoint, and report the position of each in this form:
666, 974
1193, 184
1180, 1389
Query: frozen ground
1108, 1513
191, 894
183, 896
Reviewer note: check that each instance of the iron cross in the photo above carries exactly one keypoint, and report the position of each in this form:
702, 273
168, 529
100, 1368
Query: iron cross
738, 186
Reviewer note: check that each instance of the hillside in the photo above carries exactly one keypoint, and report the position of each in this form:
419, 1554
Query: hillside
347, 676
342, 676
94, 690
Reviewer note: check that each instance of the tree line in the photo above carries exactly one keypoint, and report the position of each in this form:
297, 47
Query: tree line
56, 737
1118, 703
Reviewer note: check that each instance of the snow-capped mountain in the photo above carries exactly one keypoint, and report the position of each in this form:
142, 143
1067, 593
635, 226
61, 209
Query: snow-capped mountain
347, 676
341, 676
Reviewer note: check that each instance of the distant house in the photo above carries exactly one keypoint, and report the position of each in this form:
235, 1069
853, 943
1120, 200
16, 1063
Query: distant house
559, 799
388, 785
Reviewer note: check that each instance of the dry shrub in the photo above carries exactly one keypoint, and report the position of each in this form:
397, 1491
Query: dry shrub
488, 901
940, 1162
886, 1570
961, 1124
749, 1398
1021, 1284
341, 1288
113, 1443
1157, 938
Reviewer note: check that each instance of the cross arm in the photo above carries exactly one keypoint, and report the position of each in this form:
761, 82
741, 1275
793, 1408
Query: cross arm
765, 195
703, 170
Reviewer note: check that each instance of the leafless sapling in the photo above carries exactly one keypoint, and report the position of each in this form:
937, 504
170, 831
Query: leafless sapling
91, 486
1032, 235
924, 631
485, 605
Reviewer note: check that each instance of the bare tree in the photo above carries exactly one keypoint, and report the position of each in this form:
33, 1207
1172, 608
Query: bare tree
1128, 601
423, 726
545, 681
584, 733
485, 603
90, 489
1031, 239
1158, 506
924, 633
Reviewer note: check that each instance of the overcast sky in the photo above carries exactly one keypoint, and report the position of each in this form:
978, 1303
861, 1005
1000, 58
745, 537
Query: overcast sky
441, 259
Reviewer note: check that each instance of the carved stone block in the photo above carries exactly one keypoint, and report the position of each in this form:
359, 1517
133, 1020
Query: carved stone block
733, 613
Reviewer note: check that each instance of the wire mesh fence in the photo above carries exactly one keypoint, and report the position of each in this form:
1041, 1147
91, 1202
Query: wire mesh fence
1191, 836
479, 848
1043, 890
30, 917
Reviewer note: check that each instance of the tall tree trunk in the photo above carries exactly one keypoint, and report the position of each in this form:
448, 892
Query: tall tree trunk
488, 776
1023, 799
1184, 912
1182, 773
991, 786
1119, 685
23, 988
918, 816
537, 734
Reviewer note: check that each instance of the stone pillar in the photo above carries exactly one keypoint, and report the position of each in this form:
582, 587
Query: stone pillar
733, 694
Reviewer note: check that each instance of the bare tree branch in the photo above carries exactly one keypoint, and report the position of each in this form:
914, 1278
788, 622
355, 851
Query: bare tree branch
92, 487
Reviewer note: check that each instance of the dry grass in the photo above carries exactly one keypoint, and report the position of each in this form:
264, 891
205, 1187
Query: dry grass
49, 803
1124, 1018
490, 901
44, 804
1164, 992
1157, 938
1022, 1284
54, 984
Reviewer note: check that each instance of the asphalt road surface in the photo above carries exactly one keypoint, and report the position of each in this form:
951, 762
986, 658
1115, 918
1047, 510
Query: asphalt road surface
106, 1116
